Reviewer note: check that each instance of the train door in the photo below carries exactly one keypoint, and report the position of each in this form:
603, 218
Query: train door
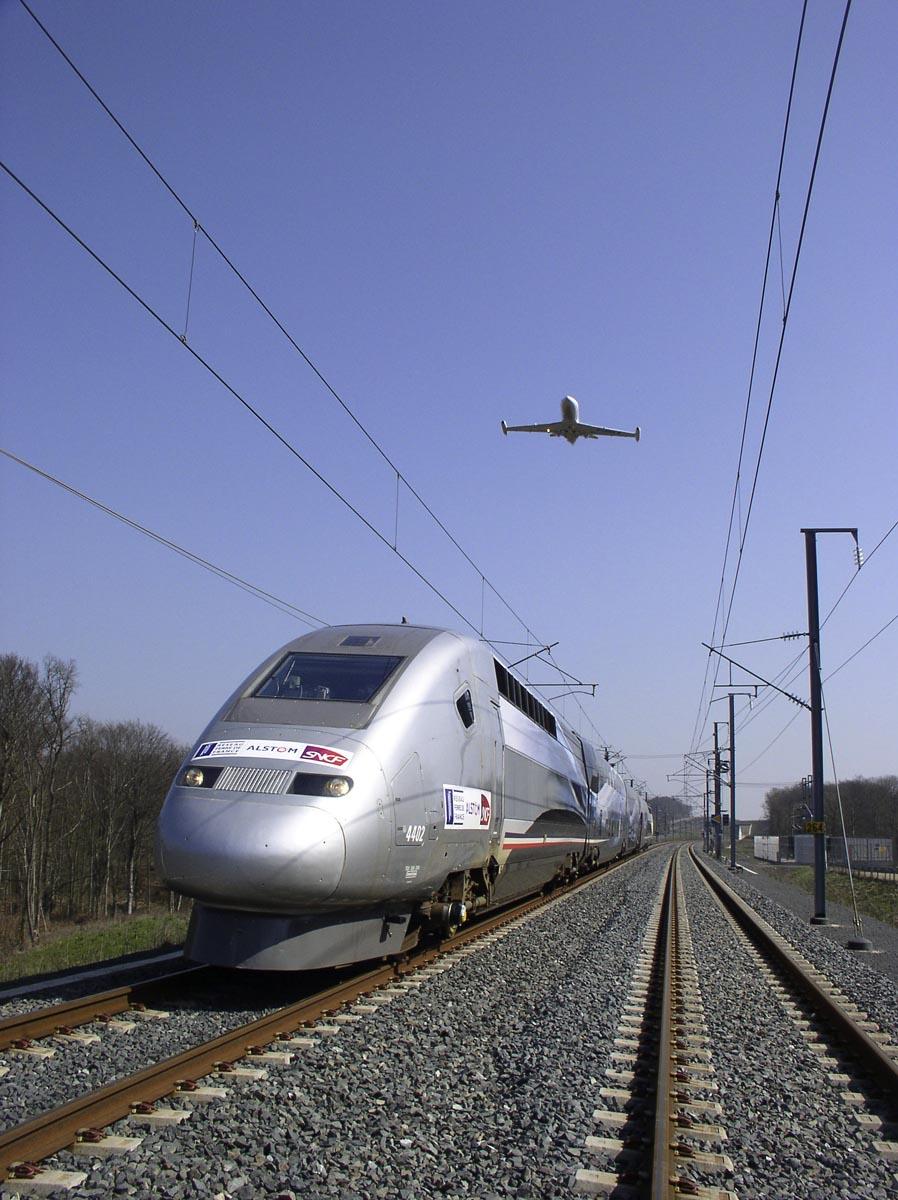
409, 813
587, 798
593, 785
493, 761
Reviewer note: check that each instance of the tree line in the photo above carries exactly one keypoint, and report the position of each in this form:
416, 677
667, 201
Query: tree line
870, 807
669, 813
78, 804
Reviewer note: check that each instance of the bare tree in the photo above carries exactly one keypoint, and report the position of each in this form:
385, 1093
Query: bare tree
78, 801
870, 807
37, 728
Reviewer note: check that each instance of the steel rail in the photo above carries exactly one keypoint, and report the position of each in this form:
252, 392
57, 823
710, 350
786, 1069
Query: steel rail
662, 1145
879, 1065
58, 1128
44, 1022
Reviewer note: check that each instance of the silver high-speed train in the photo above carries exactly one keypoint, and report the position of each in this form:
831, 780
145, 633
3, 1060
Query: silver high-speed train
369, 782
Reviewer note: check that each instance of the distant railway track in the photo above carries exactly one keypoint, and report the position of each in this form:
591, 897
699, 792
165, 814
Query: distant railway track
264, 1040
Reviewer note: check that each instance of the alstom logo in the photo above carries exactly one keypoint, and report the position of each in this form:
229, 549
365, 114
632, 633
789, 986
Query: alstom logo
333, 758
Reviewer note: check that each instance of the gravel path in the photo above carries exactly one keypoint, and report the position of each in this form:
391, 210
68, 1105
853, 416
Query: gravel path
479, 1083
790, 1134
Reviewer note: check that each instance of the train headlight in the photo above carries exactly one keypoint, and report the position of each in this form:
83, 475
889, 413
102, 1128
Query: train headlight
193, 777
337, 785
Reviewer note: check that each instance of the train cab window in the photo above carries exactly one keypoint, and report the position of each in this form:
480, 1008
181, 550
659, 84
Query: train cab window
465, 706
352, 677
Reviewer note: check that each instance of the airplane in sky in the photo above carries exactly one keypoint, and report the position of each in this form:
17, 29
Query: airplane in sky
569, 426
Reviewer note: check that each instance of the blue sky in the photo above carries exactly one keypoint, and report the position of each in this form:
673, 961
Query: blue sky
460, 213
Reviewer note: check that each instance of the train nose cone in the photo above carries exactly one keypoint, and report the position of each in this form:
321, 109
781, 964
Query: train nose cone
250, 853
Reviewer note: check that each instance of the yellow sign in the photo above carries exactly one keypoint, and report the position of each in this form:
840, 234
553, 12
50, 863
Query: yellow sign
815, 827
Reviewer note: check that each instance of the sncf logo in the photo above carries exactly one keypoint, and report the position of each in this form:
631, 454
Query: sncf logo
485, 810
321, 754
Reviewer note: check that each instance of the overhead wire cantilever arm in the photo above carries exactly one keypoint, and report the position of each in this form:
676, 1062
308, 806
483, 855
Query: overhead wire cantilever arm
573, 692
755, 675
539, 650
561, 671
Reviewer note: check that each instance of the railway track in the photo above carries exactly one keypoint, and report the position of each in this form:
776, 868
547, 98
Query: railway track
661, 1124
660, 1099
858, 1057
61, 1020
274, 1038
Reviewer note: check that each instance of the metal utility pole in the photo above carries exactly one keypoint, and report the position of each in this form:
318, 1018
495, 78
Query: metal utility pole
731, 768
717, 816
706, 840
732, 782
818, 825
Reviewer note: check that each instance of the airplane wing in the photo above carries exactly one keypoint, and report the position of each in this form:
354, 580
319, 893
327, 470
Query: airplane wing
592, 431
548, 427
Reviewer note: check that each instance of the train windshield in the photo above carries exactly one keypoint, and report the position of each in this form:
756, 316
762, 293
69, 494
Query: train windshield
353, 677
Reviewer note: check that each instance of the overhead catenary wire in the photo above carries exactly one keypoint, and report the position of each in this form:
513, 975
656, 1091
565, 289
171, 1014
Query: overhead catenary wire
851, 657
199, 227
782, 336
795, 665
252, 410
700, 723
696, 733
278, 602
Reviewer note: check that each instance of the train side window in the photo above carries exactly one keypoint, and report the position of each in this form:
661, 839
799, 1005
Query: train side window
465, 706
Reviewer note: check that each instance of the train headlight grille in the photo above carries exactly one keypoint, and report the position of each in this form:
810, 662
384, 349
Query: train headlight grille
264, 781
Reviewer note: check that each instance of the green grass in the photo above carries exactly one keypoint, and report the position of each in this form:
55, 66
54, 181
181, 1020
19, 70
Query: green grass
875, 897
75, 946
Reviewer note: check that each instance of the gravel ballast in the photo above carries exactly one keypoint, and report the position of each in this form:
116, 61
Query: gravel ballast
790, 1134
480, 1082
865, 978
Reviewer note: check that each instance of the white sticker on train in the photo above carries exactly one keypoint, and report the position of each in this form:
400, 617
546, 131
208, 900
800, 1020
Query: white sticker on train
266, 748
466, 808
